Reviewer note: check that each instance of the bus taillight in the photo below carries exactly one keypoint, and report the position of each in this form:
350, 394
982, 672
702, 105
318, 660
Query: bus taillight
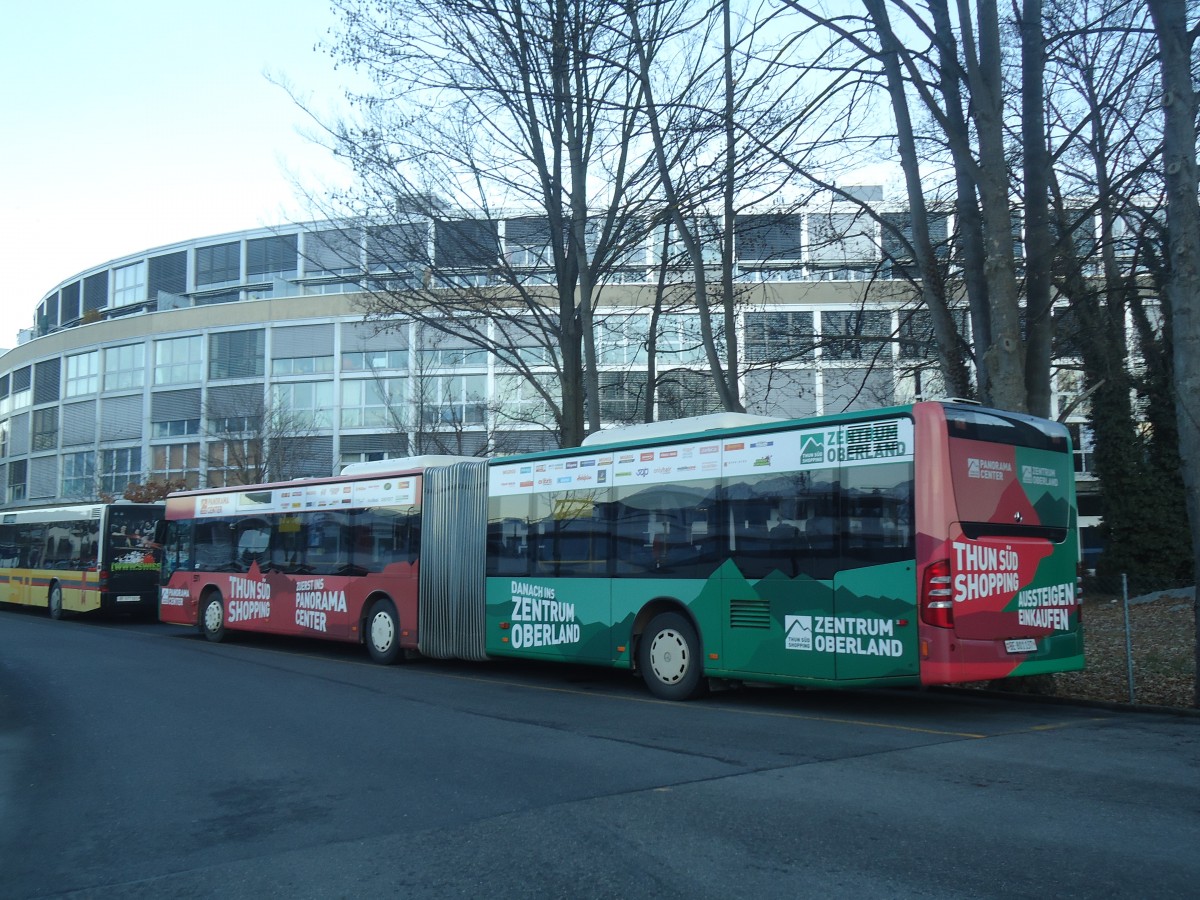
102, 578
937, 603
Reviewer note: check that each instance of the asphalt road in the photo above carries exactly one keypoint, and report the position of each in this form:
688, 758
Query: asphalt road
138, 760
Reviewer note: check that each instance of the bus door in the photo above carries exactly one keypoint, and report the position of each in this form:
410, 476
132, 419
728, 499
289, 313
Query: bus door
873, 632
778, 590
548, 558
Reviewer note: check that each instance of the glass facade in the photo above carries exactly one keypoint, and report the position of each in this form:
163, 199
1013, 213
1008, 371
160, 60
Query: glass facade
166, 387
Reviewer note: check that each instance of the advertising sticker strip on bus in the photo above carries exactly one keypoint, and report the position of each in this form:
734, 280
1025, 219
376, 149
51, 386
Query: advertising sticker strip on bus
354, 495
862, 443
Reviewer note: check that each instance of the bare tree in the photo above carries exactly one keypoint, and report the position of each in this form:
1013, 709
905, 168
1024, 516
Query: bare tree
480, 110
1176, 40
961, 60
147, 491
251, 440
1104, 238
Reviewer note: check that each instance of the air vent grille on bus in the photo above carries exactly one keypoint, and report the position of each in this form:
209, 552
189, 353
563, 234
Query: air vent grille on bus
749, 614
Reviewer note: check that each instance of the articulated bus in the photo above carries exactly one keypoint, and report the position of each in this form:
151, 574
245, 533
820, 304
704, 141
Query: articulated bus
926, 544
75, 559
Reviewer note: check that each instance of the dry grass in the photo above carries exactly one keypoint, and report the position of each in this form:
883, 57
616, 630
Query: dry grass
1163, 634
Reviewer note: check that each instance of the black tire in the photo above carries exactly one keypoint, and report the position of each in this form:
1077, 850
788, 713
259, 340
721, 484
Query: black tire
212, 617
54, 603
381, 632
670, 658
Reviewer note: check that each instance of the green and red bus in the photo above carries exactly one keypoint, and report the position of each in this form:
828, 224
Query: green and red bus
81, 558
926, 544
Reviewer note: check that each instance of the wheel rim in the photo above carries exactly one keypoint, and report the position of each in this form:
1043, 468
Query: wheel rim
213, 615
383, 632
670, 656
55, 602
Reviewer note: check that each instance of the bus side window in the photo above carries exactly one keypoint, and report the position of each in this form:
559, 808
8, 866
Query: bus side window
329, 540
509, 537
253, 541
33, 539
214, 546
878, 506
412, 535
287, 548
668, 530
784, 523
177, 546
381, 537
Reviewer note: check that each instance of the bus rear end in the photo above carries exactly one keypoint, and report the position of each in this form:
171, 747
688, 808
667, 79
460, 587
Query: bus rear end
997, 546
129, 563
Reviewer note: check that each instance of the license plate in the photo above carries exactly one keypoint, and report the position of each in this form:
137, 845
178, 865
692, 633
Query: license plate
129, 598
1021, 645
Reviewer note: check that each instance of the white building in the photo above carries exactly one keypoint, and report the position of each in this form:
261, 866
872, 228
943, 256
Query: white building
162, 364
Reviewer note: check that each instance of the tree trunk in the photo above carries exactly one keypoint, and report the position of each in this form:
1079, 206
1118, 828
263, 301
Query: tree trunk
1183, 226
1003, 357
1039, 328
933, 288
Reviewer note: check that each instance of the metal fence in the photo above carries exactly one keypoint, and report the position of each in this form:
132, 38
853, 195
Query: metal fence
1144, 624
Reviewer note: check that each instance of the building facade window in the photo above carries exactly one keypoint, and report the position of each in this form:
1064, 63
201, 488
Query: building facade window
302, 365
519, 401
453, 358
362, 456
621, 340
309, 404
79, 474
124, 367
623, 396
375, 360
177, 462
235, 424
179, 360
219, 265
235, 462
680, 341
44, 429
271, 257
119, 468
779, 337
22, 387
83, 374
237, 354
175, 428
452, 400
375, 403
856, 335
129, 284
18, 480
684, 393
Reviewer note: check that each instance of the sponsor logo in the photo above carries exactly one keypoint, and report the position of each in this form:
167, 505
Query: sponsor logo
812, 450
988, 469
1039, 475
853, 635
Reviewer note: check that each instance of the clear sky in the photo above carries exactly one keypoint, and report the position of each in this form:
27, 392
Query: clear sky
130, 124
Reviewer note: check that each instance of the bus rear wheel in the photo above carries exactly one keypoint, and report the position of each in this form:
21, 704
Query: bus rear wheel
54, 602
669, 658
383, 632
212, 617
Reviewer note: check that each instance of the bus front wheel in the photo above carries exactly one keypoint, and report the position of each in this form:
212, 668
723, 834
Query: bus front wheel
212, 617
54, 603
383, 632
669, 658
